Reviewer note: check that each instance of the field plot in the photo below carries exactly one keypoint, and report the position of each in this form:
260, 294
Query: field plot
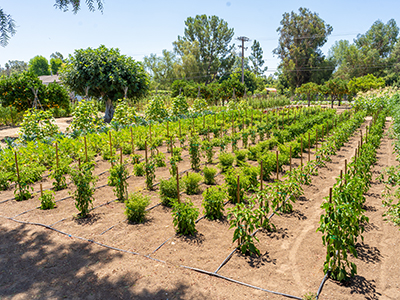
104, 256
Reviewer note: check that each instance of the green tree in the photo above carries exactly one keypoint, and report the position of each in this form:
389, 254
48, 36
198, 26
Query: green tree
393, 71
301, 36
213, 37
57, 55
380, 37
7, 23
257, 60
250, 81
55, 65
161, 69
310, 89
105, 73
365, 83
14, 67
39, 65
336, 88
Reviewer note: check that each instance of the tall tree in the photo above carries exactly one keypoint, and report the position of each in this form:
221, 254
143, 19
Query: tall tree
7, 23
58, 55
161, 68
301, 36
380, 37
39, 65
55, 65
105, 73
256, 58
14, 67
213, 37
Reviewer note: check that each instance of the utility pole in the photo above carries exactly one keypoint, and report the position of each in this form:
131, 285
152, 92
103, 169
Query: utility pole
243, 39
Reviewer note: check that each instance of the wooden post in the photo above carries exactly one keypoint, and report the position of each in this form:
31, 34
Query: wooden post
57, 159
330, 195
204, 121
172, 147
290, 159
261, 176
238, 190
252, 113
316, 140
79, 163
180, 133
150, 132
233, 126
277, 165
145, 149
132, 145
17, 168
215, 120
301, 153
177, 184
110, 142
345, 167
120, 158
193, 126
309, 147
366, 134
86, 149
167, 129
361, 137
41, 190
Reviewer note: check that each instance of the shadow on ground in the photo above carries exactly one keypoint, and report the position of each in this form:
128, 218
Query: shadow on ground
32, 265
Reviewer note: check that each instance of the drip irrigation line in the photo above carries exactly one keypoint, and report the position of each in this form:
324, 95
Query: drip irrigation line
162, 244
51, 225
240, 282
322, 284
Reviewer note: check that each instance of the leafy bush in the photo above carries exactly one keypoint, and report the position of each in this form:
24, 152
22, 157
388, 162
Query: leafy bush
194, 146
37, 125
85, 184
47, 200
85, 118
168, 191
159, 159
58, 174
179, 106
226, 161
241, 156
209, 175
156, 109
118, 177
124, 115
191, 182
185, 215
150, 173
138, 169
135, 207
213, 202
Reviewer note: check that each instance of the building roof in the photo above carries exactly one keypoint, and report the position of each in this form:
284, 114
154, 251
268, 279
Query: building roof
46, 79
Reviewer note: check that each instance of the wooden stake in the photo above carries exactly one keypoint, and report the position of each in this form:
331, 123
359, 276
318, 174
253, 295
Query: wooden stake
172, 147
330, 195
316, 139
345, 167
132, 145
110, 142
85, 149
204, 121
145, 149
17, 168
301, 153
277, 165
79, 163
290, 159
177, 184
41, 190
309, 148
261, 176
180, 133
167, 129
57, 159
238, 190
120, 159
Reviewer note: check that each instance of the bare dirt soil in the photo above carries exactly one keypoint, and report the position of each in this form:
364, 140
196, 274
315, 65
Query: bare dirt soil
41, 263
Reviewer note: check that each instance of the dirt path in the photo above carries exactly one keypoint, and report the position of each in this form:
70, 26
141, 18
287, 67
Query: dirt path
40, 263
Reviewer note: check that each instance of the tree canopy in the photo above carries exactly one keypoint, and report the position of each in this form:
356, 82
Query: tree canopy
301, 37
105, 73
257, 60
39, 65
207, 41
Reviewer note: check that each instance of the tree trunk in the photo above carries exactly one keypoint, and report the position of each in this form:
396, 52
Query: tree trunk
108, 115
309, 100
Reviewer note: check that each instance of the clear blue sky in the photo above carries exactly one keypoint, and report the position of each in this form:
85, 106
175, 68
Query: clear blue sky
141, 27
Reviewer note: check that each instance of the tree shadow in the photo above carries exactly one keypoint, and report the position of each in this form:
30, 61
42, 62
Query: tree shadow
89, 220
33, 265
295, 214
367, 253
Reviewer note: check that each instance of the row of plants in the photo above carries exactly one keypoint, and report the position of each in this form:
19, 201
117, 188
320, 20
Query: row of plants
343, 220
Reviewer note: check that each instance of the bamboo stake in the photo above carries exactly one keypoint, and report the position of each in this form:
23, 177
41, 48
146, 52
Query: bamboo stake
261, 176
277, 165
238, 190
309, 148
177, 184
133, 147
85, 149
145, 149
17, 168
57, 159
41, 190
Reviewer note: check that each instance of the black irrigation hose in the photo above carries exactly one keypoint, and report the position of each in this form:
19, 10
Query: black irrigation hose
322, 284
240, 282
